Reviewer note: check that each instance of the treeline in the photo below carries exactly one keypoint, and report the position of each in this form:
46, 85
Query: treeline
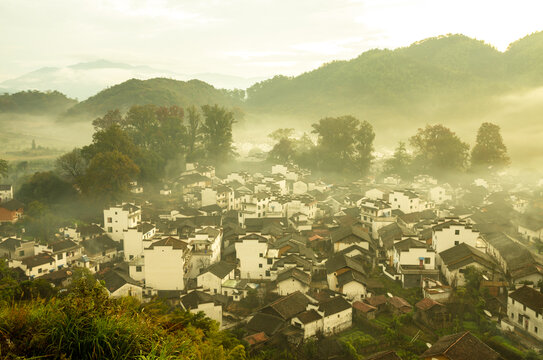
345, 146
147, 144
35, 102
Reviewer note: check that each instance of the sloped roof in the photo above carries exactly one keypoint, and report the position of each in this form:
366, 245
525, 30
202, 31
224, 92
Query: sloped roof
376, 300
349, 235
392, 232
334, 305
528, 296
309, 316
427, 303
350, 276
463, 255
409, 243
169, 241
266, 323
340, 261
288, 306
63, 245
384, 355
37, 260
297, 274
11, 244
195, 298
221, 269
114, 279
256, 338
99, 244
461, 346
399, 303
362, 306
293, 259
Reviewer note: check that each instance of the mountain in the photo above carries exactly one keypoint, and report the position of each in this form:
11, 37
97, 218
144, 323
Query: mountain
158, 91
83, 80
35, 102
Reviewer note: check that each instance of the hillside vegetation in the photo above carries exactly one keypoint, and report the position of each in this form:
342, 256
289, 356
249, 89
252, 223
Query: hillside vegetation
35, 102
159, 91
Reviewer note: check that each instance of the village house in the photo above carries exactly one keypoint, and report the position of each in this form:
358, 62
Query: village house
450, 232
407, 201
134, 239
101, 249
212, 278
439, 194
65, 252
11, 211
431, 313
12, 248
205, 246
35, 266
456, 260
531, 228
119, 218
347, 236
252, 251
119, 284
198, 301
6, 193
291, 280
525, 309
460, 346
165, 264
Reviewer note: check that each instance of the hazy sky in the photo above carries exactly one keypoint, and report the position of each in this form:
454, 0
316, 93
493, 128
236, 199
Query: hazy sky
241, 37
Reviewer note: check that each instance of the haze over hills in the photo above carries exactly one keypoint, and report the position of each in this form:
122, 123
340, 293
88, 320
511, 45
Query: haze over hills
85, 79
454, 80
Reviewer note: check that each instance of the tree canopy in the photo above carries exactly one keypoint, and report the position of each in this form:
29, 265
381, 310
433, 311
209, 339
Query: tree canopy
489, 150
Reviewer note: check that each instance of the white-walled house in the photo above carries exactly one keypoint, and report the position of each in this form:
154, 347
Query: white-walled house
134, 238
407, 201
209, 196
412, 251
65, 252
347, 236
377, 194
165, 264
35, 266
292, 280
451, 232
456, 260
525, 309
6, 193
119, 284
206, 249
199, 301
299, 187
251, 252
214, 276
120, 218
438, 195
338, 315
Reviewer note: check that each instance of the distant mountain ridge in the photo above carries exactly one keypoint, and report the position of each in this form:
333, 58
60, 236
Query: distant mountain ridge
85, 79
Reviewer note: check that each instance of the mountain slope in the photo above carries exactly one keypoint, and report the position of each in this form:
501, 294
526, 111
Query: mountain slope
159, 91
35, 102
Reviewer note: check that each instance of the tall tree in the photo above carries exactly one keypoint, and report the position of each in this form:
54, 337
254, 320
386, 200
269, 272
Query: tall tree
217, 133
112, 138
489, 150
72, 165
399, 163
344, 145
194, 124
3, 168
112, 117
109, 174
47, 188
439, 151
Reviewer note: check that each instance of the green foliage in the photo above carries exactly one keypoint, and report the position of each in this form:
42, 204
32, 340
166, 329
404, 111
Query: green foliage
3, 168
400, 163
217, 133
109, 174
158, 91
87, 324
438, 151
46, 187
35, 102
344, 145
489, 150
72, 165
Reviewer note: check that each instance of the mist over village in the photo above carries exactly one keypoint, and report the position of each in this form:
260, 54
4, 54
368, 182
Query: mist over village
261, 180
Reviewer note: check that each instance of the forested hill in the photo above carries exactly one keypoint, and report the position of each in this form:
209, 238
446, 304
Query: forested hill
35, 102
426, 79
158, 91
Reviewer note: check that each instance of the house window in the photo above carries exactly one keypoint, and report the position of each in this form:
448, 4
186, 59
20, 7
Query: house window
39, 271
259, 265
60, 256
427, 260
138, 268
267, 272
110, 229
130, 257
456, 242
109, 220
456, 232
524, 307
22, 253
261, 254
535, 329
270, 261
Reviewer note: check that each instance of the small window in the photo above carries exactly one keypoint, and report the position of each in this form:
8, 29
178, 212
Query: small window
270, 261
268, 273
456, 232
39, 271
138, 268
60, 256
130, 257
524, 308
261, 255
259, 265
535, 329
110, 229
456, 242
109, 220
427, 260
22, 253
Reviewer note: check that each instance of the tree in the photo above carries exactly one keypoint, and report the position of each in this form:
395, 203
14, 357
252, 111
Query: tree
109, 174
400, 163
110, 139
112, 117
438, 151
72, 165
281, 134
46, 187
217, 133
3, 168
489, 150
344, 145
193, 131
283, 151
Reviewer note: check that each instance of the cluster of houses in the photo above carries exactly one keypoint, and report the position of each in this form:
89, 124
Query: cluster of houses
314, 254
